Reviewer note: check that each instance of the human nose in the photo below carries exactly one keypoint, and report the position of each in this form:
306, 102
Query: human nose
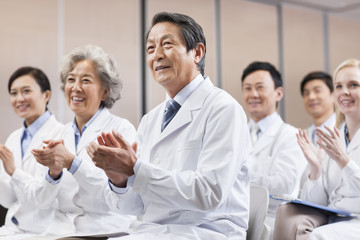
20, 97
311, 95
344, 91
158, 53
76, 86
253, 93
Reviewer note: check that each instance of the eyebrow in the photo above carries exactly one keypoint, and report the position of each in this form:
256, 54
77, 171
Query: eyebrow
85, 75
161, 38
24, 87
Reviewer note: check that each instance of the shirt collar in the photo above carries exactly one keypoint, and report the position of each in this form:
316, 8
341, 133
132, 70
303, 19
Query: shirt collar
75, 127
266, 122
329, 122
181, 97
36, 125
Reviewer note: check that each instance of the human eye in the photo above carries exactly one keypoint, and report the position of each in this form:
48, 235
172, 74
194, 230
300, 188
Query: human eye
27, 91
259, 87
354, 85
338, 86
149, 49
13, 93
86, 80
70, 79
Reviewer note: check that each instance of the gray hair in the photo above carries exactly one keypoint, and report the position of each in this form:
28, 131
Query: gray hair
105, 65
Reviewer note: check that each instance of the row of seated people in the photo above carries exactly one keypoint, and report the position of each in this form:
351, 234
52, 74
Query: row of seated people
185, 173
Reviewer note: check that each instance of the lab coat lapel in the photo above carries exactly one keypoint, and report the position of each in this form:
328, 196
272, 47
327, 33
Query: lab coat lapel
184, 115
39, 137
355, 142
267, 138
94, 130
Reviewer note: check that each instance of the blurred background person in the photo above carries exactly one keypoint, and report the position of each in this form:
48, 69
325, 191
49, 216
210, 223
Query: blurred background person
317, 92
20, 173
277, 162
91, 84
334, 178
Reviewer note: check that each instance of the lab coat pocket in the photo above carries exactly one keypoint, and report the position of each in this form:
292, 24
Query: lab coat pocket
187, 155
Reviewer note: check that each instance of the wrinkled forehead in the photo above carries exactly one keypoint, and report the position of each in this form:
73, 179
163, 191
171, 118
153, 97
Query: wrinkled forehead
163, 29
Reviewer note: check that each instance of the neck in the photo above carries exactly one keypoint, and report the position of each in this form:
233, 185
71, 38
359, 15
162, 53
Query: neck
81, 121
318, 121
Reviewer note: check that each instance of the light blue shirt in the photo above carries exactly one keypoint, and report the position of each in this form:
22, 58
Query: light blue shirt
329, 122
30, 131
264, 123
180, 98
77, 135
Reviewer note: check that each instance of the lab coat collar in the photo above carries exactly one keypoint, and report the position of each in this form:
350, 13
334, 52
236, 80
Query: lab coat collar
354, 143
93, 130
184, 115
267, 137
39, 137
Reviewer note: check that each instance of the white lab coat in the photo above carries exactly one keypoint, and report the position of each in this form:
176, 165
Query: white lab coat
80, 196
193, 180
278, 163
338, 188
20, 193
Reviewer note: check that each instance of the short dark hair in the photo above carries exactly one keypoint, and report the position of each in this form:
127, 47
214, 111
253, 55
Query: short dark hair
318, 75
38, 75
256, 66
190, 31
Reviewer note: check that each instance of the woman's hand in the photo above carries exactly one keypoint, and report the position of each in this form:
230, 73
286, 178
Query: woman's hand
8, 159
331, 143
313, 154
55, 156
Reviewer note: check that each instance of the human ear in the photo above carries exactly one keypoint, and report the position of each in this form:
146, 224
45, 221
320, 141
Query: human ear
199, 52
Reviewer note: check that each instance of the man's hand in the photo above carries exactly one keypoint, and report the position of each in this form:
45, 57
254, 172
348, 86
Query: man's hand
115, 156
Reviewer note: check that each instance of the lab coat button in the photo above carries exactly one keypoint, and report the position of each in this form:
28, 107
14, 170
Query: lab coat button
157, 161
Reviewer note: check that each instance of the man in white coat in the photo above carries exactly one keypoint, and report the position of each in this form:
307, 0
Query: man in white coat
317, 92
189, 178
277, 162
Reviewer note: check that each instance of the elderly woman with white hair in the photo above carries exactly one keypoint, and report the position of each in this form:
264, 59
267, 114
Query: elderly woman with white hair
91, 84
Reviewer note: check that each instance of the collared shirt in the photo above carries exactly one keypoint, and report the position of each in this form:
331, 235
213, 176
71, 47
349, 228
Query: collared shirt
180, 98
77, 135
264, 123
330, 122
30, 131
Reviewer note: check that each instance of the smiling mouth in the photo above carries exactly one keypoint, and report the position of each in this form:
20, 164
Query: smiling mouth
22, 107
77, 99
159, 68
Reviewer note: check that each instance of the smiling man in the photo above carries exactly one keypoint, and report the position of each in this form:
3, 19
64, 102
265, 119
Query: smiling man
317, 92
278, 162
189, 178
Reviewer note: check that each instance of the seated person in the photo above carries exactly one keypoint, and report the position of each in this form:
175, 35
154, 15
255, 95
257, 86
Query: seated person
334, 178
20, 173
92, 85
277, 162
189, 178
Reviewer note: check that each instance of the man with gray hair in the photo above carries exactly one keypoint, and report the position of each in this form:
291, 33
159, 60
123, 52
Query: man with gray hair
189, 178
